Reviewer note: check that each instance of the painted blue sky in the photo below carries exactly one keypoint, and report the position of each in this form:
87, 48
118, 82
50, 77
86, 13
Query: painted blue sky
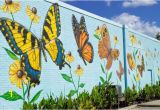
141, 15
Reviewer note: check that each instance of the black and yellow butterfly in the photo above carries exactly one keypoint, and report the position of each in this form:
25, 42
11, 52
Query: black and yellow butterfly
25, 43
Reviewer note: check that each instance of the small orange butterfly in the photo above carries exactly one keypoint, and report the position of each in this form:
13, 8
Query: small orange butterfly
141, 67
121, 71
104, 48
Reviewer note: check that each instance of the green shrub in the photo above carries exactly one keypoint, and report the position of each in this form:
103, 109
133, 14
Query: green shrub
28, 106
130, 95
101, 97
48, 103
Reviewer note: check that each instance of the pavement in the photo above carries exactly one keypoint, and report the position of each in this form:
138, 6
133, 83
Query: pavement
152, 105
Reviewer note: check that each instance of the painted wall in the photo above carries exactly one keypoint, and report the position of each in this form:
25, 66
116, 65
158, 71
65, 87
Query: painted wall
103, 54
142, 59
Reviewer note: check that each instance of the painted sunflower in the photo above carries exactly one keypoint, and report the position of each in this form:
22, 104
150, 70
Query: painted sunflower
32, 13
98, 31
133, 39
79, 71
69, 57
10, 6
17, 74
116, 40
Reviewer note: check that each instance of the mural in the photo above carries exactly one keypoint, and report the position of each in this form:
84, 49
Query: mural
57, 50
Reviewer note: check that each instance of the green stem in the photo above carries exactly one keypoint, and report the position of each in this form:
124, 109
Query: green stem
73, 80
29, 87
30, 25
78, 84
12, 16
23, 92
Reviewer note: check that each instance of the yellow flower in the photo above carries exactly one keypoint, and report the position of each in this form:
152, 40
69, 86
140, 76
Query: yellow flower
133, 39
69, 57
10, 6
116, 40
98, 31
17, 74
79, 71
32, 13
137, 77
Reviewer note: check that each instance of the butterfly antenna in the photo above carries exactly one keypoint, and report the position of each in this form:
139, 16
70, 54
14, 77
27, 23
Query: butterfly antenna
67, 64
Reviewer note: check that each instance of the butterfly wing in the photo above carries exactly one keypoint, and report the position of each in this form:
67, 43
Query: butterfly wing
84, 36
85, 46
104, 45
76, 30
51, 32
109, 62
87, 52
115, 53
24, 43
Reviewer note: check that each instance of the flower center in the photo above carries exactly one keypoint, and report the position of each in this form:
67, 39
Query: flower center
8, 1
20, 73
34, 10
69, 53
79, 67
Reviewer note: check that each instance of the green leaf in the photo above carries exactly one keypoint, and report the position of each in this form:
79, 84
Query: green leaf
134, 56
136, 52
11, 96
110, 76
11, 54
102, 68
66, 77
134, 77
96, 36
102, 79
72, 93
36, 96
82, 85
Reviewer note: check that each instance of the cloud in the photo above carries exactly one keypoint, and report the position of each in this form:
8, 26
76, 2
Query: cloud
136, 3
134, 22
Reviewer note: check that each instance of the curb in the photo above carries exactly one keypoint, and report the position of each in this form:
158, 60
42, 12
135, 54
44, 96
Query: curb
129, 107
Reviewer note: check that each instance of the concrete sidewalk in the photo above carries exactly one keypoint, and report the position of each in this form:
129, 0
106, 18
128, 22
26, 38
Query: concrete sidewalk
155, 103
152, 105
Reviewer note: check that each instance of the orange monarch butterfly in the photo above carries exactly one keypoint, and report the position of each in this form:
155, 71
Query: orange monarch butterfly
85, 48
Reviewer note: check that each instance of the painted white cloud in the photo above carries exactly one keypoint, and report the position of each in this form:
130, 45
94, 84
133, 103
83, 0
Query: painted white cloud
136, 3
134, 22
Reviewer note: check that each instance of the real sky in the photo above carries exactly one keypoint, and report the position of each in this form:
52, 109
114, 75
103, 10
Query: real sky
142, 15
